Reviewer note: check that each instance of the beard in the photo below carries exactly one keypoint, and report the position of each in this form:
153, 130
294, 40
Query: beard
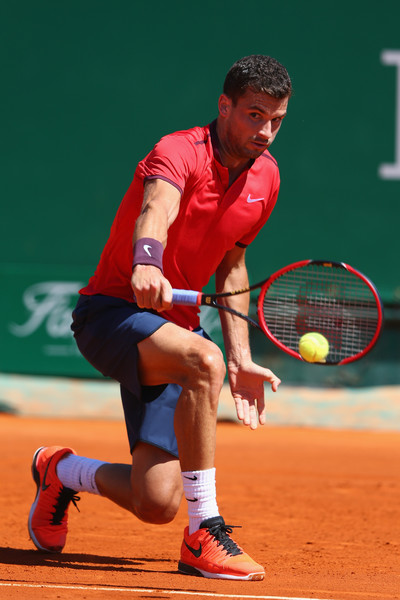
251, 148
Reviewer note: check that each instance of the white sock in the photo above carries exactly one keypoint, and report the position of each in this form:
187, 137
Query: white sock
200, 493
78, 473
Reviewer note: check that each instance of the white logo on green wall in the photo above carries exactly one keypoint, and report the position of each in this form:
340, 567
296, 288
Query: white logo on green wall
49, 303
392, 171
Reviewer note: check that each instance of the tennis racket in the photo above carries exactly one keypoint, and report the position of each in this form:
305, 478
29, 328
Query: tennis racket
331, 298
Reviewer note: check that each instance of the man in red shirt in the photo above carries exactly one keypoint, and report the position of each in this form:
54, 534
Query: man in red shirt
196, 202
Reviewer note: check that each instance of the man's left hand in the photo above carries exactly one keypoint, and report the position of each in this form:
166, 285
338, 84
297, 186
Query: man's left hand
247, 387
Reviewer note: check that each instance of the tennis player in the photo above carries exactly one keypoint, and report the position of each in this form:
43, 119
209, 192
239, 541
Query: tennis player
196, 202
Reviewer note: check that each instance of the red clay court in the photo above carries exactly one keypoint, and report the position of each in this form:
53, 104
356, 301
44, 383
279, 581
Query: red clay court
319, 508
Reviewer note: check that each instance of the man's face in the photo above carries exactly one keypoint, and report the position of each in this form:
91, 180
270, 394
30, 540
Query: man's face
249, 127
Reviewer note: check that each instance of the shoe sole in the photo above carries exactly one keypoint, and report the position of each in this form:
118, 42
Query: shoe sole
36, 479
189, 570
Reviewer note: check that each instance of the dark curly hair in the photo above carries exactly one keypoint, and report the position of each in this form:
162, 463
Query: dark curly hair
259, 73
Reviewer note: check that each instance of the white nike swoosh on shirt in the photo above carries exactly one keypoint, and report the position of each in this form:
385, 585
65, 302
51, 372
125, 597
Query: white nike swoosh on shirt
250, 199
146, 248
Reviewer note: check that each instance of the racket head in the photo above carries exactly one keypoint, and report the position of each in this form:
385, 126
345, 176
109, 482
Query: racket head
331, 298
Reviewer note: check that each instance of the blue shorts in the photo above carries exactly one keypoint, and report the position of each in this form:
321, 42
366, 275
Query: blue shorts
107, 331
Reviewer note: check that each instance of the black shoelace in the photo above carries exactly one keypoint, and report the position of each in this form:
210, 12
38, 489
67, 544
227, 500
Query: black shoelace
220, 532
65, 497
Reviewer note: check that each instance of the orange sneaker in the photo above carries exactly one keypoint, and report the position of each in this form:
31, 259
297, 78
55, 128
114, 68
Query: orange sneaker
48, 517
210, 552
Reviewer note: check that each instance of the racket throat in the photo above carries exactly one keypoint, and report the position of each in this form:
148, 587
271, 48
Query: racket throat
236, 313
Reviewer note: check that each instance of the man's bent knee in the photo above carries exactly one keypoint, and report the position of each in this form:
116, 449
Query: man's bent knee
209, 366
156, 484
158, 510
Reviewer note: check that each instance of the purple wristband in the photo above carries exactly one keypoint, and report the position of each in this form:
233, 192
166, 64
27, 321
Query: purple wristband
148, 251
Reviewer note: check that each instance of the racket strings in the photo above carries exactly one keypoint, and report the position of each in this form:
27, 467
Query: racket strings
329, 300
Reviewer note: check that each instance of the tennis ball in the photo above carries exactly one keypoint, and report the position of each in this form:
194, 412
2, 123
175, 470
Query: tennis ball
313, 347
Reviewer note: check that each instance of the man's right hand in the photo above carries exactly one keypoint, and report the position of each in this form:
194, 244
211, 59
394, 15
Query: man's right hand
151, 289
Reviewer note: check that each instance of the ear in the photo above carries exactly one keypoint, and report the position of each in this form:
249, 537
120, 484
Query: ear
224, 105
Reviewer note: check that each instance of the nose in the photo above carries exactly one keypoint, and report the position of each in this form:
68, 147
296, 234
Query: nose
266, 130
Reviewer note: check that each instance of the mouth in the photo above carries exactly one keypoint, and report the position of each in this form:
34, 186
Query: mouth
260, 145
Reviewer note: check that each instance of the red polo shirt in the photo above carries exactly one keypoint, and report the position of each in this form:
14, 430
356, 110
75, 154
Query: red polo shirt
212, 217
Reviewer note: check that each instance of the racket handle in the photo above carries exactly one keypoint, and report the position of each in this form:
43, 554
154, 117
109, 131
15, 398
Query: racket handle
187, 297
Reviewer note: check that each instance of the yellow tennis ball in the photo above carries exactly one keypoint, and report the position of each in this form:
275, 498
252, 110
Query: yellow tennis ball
313, 347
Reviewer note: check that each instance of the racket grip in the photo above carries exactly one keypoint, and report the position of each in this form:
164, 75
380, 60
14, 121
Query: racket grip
186, 297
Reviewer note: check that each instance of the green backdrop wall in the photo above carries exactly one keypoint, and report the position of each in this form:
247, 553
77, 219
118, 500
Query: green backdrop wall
88, 87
